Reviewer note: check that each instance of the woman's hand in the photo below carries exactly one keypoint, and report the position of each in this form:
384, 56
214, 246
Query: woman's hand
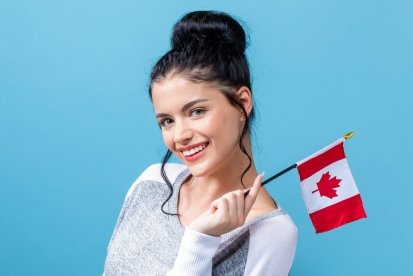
228, 212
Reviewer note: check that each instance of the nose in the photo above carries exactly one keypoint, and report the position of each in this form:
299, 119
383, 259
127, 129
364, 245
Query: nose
182, 133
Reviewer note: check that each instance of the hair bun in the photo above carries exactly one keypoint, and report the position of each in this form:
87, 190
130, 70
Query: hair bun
209, 30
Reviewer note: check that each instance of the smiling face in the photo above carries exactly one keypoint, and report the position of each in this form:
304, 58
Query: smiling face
198, 124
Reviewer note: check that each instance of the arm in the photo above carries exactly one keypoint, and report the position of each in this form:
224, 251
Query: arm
272, 247
195, 254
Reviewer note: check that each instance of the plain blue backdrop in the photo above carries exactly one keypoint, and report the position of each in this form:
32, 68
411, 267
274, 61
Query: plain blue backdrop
77, 126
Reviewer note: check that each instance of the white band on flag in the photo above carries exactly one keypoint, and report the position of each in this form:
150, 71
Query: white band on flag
347, 187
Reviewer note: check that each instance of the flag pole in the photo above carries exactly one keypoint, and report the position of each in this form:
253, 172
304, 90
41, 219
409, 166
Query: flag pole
278, 174
346, 136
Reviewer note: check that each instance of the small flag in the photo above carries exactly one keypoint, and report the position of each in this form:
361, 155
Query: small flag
328, 188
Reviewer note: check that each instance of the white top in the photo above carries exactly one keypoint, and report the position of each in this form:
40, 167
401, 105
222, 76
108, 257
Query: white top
147, 242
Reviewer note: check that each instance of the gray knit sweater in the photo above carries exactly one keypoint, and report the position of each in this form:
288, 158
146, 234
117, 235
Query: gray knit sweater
146, 241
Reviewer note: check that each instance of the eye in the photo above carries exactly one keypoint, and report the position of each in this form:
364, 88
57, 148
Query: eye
166, 122
197, 112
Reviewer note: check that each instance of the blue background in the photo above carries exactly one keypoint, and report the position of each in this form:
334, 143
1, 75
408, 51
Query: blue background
77, 128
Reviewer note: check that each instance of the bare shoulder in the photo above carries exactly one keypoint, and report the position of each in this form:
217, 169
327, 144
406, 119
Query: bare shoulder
260, 211
263, 205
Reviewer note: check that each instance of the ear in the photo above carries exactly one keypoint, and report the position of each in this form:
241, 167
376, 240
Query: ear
244, 96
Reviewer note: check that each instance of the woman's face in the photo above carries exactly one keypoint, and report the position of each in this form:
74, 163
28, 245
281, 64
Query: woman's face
198, 124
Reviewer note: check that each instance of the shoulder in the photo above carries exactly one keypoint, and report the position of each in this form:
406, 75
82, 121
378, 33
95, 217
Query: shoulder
275, 228
153, 173
273, 241
277, 221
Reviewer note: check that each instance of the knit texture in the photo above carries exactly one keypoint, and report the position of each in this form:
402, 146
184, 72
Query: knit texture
146, 241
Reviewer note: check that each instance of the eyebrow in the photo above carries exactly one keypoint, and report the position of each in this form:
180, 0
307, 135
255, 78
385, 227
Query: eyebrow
184, 108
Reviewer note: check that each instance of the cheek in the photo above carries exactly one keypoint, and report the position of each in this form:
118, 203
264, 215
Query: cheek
223, 126
168, 139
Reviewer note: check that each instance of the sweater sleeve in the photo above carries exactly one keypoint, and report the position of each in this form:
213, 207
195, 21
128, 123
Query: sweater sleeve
195, 254
272, 247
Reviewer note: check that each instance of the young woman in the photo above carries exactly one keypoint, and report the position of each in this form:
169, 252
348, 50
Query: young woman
208, 215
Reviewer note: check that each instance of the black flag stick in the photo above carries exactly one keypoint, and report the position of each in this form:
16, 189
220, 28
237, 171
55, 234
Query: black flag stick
345, 136
278, 174
274, 177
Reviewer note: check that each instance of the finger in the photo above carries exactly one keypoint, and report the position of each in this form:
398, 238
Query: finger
213, 208
247, 191
232, 205
253, 193
214, 205
218, 204
222, 209
240, 205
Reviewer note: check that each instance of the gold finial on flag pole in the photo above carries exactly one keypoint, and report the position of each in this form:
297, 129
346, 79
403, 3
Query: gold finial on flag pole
348, 135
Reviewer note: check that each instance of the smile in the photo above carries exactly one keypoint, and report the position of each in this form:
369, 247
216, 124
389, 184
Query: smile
194, 150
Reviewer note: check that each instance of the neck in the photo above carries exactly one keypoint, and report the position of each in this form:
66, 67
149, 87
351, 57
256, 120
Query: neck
225, 179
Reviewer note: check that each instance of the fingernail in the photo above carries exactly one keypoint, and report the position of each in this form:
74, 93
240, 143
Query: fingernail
262, 174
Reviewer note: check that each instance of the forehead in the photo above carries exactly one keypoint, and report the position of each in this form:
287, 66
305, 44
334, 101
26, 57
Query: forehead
175, 91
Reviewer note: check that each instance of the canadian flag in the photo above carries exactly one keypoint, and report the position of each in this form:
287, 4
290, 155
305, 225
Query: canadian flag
328, 188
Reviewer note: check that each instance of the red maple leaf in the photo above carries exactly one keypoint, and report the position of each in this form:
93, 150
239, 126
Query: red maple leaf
327, 185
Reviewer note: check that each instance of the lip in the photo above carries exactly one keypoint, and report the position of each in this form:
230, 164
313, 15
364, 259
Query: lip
197, 155
181, 149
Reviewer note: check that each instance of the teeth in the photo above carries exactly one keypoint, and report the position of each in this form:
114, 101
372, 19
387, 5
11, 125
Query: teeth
194, 150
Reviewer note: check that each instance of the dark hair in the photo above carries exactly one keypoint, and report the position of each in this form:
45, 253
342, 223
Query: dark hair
208, 47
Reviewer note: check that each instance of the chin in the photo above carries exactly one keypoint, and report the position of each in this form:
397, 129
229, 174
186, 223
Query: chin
198, 170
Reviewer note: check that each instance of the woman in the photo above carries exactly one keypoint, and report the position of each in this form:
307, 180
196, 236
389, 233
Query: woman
202, 217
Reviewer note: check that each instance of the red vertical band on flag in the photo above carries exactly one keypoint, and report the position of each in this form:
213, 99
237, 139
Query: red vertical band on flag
315, 164
338, 214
